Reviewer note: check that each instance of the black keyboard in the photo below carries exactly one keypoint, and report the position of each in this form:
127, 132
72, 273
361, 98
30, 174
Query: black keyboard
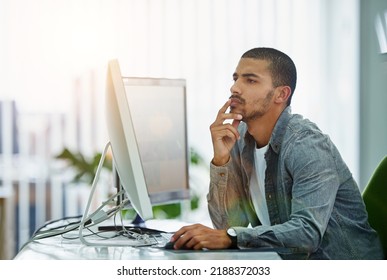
136, 229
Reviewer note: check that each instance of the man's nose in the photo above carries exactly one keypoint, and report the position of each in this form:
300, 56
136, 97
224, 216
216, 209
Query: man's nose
235, 89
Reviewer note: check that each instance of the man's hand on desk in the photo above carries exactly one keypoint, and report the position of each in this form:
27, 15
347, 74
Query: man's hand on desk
199, 237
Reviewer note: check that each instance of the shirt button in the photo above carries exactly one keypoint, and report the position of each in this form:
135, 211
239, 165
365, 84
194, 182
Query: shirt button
222, 174
269, 196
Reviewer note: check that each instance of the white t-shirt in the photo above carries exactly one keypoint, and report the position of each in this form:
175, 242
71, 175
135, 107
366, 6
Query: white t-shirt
257, 186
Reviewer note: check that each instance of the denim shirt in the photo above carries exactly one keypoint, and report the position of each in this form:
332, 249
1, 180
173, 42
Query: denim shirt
315, 207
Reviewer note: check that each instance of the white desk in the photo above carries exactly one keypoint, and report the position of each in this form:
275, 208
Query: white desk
59, 248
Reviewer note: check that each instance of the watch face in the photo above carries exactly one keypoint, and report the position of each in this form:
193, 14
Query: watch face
231, 232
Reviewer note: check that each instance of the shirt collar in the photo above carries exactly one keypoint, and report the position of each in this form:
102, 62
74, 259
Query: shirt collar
277, 134
280, 129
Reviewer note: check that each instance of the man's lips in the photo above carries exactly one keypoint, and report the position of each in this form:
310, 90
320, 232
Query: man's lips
235, 101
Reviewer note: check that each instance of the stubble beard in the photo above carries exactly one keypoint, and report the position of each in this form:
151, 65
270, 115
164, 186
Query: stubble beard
262, 106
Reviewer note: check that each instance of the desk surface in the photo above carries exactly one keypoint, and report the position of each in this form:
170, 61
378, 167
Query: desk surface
59, 249
71, 248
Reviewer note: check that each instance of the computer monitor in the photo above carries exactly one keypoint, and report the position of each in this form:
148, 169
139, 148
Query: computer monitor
146, 120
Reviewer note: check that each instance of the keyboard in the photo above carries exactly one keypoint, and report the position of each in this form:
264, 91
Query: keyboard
145, 236
161, 238
136, 229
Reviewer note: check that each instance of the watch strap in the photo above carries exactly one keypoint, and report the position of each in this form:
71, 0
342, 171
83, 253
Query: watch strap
231, 233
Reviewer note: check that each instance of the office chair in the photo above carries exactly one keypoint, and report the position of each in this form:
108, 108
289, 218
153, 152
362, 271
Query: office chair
375, 199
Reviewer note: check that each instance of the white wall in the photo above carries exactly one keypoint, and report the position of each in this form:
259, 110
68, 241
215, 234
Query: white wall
47, 45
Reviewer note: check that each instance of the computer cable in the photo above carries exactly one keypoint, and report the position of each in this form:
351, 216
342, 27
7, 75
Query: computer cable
61, 220
144, 238
98, 216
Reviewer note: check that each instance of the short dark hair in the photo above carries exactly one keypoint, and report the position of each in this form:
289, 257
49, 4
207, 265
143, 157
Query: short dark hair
282, 67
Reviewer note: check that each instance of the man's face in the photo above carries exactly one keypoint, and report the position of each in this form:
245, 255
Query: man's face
252, 91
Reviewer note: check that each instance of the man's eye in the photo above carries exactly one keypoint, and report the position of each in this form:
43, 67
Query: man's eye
250, 81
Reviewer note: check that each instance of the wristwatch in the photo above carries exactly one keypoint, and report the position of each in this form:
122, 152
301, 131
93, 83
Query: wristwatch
231, 233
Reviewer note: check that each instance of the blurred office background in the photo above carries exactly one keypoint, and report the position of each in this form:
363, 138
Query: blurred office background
53, 58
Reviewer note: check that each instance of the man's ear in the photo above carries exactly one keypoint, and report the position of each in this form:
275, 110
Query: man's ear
283, 94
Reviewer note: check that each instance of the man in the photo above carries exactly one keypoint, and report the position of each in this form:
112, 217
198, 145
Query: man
276, 180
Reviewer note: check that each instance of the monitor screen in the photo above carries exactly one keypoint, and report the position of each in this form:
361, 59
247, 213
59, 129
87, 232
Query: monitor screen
148, 134
158, 108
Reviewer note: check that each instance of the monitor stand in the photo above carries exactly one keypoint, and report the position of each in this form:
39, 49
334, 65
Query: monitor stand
86, 218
